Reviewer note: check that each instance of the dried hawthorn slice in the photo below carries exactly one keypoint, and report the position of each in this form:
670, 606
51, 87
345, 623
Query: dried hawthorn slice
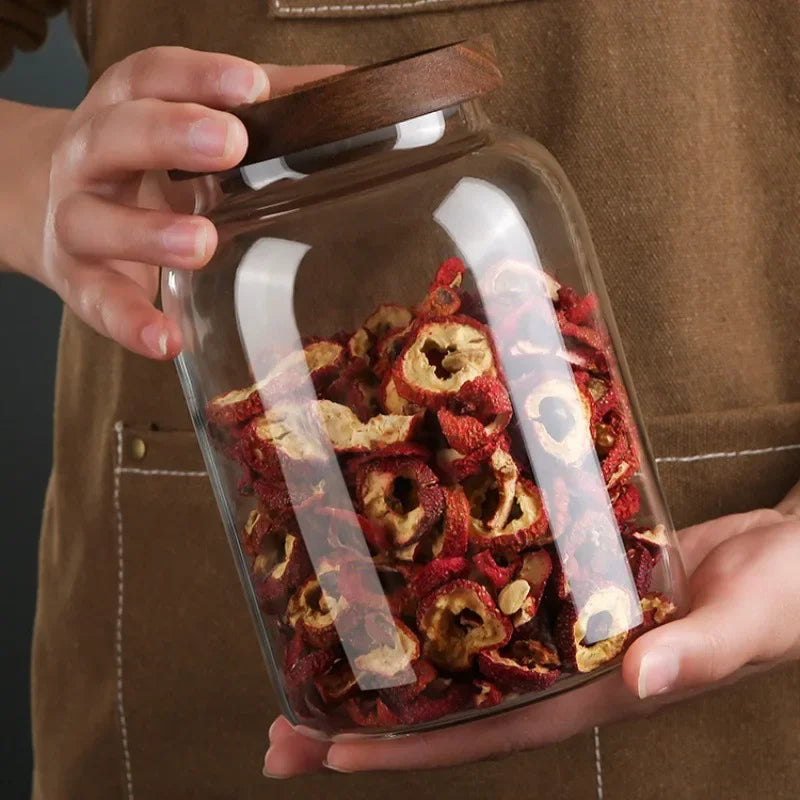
438, 572
282, 564
348, 434
456, 467
313, 612
387, 317
458, 621
337, 685
657, 608
356, 387
258, 525
388, 348
479, 412
588, 336
454, 537
441, 355
654, 539
560, 414
518, 280
386, 645
525, 665
641, 563
358, 344
595, 634
319, 360
347, 527
525, 526
390, 400
402, 495
485, 694
302, 666
439, 699
626, 503
440, 302
367, 710
235, 407
584, 310
498, 575
535, 570
449, 274
401, 696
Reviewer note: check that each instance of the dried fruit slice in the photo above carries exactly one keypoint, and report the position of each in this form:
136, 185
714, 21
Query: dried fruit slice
356, 387
456, 467
302, 666
313, 612
450, 274
519, 280
442, 301
454, 536
626, 503
337, 685
442, 354
349, 435
437, 573
387, 647
439, 698
391, 401
655, 539
369, 711
402, 696
595, 634
535, 570
476, 415
387, 317
657, 609
485, 694
560, 414
234, 407
402, 495
525, 665
358, 344
498, 574
641, 563
458, 621
282, 563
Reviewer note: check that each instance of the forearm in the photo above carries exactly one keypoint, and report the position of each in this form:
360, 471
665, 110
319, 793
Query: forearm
26, 142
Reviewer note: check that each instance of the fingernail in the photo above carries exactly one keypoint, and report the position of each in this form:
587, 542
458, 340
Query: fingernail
657, 672
243, 84
265, 771
155, 338
209, 137
186, 239
334, 768
272, 727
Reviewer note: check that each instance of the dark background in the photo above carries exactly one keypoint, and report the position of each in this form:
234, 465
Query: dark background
29, 321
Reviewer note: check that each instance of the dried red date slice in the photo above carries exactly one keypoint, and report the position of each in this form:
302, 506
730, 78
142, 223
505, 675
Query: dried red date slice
475, 417
485, 694
235, 407
498, 574
560, 415
441, 355
437, 573
453, 539
313, 612
595, 634
402, 495
337, 685
458, 621
525, 665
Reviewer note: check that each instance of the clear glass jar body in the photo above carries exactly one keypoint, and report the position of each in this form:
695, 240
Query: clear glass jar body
408, 387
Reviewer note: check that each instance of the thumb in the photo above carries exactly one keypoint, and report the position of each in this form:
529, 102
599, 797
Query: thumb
744, 610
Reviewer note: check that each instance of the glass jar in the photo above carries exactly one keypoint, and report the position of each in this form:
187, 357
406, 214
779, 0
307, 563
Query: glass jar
409, 391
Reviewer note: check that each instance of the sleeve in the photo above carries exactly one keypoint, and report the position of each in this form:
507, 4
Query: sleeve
23, 25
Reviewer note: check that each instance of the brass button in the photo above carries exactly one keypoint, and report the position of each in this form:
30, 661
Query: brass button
138, 449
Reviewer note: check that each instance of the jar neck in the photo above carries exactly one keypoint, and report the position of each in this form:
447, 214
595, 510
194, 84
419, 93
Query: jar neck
408, 143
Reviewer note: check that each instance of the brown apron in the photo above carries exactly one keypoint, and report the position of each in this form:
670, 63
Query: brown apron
679, 124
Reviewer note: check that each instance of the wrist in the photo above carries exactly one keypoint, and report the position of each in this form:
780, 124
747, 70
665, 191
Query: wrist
24, 191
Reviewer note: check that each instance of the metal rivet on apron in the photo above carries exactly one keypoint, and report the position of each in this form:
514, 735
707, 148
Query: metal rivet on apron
138, 449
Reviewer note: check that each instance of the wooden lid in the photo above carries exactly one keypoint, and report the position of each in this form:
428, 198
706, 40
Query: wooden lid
368, 98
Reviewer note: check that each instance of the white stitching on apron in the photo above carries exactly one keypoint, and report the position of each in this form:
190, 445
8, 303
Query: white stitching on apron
286, 8
123, 725
171, 472
598, 763
734, 454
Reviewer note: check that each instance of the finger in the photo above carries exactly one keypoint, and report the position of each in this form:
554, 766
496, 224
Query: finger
155, 135
279, 730
178, 74
791, 503
698, 541
290, 753
283, 78
744, 610
544, 723
118, 307
89, 227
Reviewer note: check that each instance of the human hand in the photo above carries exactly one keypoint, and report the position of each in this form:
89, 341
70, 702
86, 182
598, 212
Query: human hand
109, 226
745, 600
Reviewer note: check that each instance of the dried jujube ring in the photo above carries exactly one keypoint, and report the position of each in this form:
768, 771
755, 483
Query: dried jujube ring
402, 495
596, 633
560, 415
282, 563
458, 621
525, 665
313, 612
442, 354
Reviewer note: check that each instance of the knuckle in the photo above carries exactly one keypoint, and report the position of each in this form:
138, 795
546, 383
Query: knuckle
65, 218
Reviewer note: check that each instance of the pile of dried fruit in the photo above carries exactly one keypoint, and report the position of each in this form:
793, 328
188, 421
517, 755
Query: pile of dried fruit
479, 585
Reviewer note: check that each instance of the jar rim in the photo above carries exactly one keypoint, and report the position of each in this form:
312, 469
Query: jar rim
367, 98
